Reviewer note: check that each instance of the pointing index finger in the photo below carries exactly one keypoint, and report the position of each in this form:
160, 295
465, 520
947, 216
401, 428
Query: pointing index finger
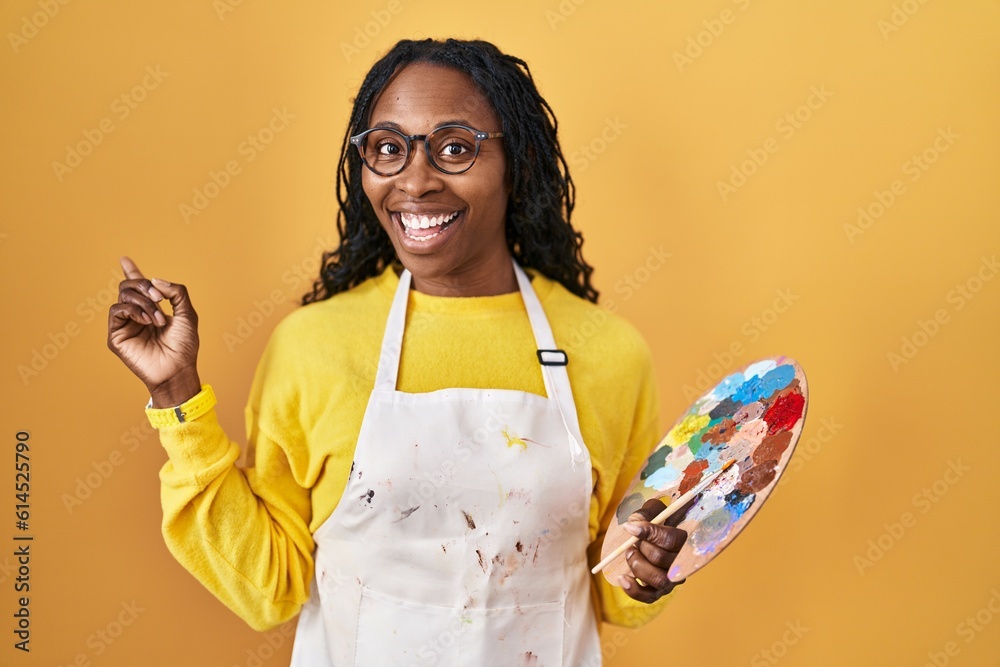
132, 271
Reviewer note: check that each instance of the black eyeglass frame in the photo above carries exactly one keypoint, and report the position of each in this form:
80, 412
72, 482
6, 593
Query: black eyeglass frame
480, 136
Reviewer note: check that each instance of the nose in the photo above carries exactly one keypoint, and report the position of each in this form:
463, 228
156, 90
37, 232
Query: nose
420, 177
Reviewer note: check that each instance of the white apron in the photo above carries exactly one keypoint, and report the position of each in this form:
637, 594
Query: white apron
461, 537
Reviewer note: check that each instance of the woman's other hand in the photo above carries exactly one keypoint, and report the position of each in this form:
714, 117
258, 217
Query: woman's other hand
651, 557
162, 350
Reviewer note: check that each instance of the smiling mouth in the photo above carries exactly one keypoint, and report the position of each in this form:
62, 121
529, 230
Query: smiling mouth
425, 227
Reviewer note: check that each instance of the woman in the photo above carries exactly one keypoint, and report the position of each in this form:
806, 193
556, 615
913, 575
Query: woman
432, 475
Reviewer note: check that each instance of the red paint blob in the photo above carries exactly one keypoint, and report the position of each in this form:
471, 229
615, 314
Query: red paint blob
784, 413
692, 475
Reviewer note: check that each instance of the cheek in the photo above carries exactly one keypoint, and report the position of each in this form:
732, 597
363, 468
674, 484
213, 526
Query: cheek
370, 187
375, 191
495, 188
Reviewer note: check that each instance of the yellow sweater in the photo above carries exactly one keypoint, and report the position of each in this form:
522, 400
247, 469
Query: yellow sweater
247, 534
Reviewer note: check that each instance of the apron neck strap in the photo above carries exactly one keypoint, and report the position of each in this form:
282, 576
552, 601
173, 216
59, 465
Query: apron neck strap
544, 339
557, 386
556, 379
392, 339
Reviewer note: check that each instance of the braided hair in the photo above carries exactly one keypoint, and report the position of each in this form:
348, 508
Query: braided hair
538, 229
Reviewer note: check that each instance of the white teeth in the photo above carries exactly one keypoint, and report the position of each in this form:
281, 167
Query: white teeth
428, 237
413, 221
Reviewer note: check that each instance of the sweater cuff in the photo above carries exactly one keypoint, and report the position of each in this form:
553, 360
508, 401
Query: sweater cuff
196, 448
620, 609
187, 411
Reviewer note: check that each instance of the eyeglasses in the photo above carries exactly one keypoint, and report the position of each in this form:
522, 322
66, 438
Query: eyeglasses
452, 149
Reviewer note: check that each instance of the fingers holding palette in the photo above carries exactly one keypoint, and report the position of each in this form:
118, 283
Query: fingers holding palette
753, 416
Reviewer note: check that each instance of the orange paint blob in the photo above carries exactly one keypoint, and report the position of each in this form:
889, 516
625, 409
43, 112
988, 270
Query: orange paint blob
692, 475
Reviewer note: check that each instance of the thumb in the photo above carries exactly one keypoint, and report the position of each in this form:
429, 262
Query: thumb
177, 294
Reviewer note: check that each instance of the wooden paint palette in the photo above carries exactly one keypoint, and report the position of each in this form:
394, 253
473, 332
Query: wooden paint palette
755, 416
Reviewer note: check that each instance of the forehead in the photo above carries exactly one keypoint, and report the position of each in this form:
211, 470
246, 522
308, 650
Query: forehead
422, 96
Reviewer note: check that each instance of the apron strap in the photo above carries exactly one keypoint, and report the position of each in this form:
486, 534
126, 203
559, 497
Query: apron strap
556, 379
392, 340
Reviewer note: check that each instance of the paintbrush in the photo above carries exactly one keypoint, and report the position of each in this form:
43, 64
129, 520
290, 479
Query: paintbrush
664, 515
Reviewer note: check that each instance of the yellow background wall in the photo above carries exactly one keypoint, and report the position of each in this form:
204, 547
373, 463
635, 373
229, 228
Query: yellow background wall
739, 137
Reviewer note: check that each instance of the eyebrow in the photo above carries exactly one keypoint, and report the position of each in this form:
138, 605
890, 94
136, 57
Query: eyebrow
399, 128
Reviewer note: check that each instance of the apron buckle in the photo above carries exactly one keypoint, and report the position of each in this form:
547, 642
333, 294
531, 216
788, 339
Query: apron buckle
552, 358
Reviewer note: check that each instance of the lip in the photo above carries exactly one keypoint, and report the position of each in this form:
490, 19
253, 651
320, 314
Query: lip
425, 210
422, 245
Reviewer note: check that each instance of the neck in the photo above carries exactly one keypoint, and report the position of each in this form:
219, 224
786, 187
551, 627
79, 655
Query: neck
484, 279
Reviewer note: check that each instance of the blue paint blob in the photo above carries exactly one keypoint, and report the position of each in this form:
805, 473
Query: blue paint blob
757, 388
749, 391
759, 368
664, 478
739, 503
728, 385
778, 379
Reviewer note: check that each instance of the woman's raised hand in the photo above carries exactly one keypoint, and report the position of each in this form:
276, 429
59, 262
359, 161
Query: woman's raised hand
161, 350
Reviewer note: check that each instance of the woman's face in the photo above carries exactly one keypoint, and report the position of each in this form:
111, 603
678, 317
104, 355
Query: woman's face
468, 254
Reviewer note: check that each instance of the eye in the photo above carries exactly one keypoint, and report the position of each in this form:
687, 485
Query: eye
388, 147
455, 149
385, 146
454, 145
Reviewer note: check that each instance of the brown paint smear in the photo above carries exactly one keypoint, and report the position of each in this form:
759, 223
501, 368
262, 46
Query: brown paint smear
791, 388
772, 447
720, 433
757, 478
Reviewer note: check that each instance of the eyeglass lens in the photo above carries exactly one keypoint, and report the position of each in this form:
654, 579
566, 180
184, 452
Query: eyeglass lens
452, 149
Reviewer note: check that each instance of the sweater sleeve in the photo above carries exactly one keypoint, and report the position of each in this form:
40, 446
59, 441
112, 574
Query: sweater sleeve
615, 605
244, 534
